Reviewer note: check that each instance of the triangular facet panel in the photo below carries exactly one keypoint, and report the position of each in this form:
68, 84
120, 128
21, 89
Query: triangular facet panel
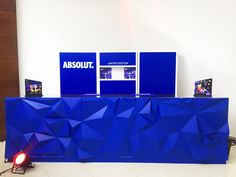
98, 115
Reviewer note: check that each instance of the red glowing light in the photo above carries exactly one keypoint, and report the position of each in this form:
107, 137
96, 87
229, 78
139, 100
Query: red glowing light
20, 158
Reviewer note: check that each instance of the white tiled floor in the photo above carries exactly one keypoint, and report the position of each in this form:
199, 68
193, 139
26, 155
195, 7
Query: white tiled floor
126, 169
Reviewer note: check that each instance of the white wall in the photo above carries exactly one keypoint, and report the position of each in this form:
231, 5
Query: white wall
202, 31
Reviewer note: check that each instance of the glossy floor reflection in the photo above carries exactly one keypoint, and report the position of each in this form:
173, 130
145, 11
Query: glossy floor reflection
126, 169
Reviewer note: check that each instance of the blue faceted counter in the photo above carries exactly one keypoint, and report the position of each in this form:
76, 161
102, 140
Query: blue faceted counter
112, 129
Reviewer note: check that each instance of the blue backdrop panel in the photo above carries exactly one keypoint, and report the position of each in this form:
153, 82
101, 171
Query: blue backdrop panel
179, 130
157, 73
117, 87
80, 76
118, 58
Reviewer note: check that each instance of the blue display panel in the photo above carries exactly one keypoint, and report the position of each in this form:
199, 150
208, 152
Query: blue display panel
117, 87
77, 73
178, 130
119, 73
158, 73
118, 58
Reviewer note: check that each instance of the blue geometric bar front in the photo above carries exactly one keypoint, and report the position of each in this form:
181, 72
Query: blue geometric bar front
175, 130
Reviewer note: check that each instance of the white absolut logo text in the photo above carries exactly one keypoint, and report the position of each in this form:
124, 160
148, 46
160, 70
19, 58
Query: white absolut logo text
78, 64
